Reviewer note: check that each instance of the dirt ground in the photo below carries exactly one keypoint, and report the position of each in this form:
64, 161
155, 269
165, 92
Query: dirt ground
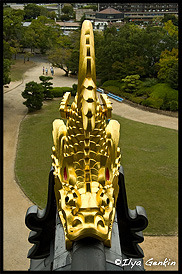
15, 202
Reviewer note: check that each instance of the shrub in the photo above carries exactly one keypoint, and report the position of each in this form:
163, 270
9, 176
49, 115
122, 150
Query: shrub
149, 82
34, 93
47, 86
59, 91
162, 90
112, 83
153, 103
166, 103
137, 100
132, 83
113, 89
142, 92
173, 105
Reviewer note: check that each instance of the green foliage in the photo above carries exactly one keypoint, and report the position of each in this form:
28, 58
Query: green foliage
94, 7
12, 25
168, 67
171, 29
153, 103
162, 96
132, 83
131, 50
173, 105
7, 50
64, 17
59, 91
171, 17
74, 91
148, 82
113, 86
67, 9
47, 86
32, 11
34, 95
150, 93
68, 12
41, 34
65, 53
113, 89
6, 71
161, 89
173, 76
112, 83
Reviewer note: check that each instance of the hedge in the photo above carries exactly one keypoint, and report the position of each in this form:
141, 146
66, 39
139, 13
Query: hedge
59, 91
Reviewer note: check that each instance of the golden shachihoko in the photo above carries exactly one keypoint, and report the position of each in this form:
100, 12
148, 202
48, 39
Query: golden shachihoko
86, 156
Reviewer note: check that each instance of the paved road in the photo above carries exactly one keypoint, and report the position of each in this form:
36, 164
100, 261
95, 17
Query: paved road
16, 203
143, 116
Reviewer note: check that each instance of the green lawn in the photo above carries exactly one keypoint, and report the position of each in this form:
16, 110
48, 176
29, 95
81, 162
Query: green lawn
149, 158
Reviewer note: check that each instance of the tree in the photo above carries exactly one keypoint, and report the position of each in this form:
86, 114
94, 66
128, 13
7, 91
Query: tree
132, 83
68, 12
27, 55
32, 11
44, 33
7, 61
65, 53
29, 38
7, 50
60, 57
15, 47
171, 29
67, 9
47, 86
168, 67
34, 95
6, 71
171, 17
12, 24
12, 33
131, 50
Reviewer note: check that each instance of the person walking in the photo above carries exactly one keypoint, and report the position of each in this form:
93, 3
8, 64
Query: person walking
43, 70
52, 71
46, 70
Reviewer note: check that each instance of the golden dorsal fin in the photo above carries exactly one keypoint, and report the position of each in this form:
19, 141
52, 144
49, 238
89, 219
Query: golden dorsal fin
87, 57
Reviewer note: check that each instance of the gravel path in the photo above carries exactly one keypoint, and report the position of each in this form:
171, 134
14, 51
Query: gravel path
15, 241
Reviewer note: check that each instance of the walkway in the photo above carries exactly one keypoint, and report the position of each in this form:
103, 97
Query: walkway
16, 243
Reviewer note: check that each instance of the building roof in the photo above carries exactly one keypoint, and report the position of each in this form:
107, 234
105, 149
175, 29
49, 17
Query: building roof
68, 24
109, 11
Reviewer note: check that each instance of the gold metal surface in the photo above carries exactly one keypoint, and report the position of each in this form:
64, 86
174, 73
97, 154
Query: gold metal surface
86, 156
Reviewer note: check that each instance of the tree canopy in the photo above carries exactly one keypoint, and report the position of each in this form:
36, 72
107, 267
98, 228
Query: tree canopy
120, 51
132, 50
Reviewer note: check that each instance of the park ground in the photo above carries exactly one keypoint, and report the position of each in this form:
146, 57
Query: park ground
15, 204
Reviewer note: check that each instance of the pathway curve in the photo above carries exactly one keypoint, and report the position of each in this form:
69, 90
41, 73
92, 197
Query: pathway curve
15, 242
143, 116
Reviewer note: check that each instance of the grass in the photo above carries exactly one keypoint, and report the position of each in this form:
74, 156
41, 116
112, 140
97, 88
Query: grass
149, 157
19, 68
